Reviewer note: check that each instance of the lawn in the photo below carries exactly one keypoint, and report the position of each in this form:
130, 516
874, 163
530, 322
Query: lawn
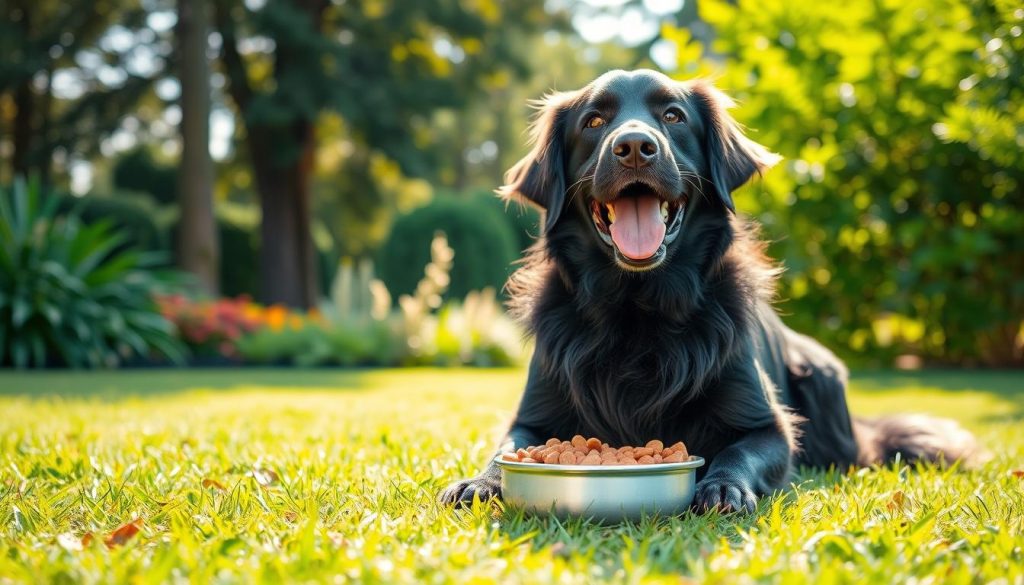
282, 475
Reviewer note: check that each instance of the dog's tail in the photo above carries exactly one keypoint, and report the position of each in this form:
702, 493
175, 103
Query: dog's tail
916, 437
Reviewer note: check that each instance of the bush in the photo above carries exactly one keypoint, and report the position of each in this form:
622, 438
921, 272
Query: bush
898, 209
212, 328
484, 245
72, 294
137, 171
133, 219
312, 343
523, 220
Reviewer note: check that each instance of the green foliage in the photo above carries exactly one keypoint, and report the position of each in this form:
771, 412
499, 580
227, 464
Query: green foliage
71, 293
133, 218
319, 344
524, 220
239, 249
137, 171
898, 208
315, 476
484, 245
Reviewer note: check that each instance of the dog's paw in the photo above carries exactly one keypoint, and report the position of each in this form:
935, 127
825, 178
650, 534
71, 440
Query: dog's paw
725, 495
460, 493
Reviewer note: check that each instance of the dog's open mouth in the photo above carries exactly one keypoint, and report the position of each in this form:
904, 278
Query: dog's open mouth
638, 224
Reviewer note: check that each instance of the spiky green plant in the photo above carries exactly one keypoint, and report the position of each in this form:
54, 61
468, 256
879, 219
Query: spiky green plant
73, 294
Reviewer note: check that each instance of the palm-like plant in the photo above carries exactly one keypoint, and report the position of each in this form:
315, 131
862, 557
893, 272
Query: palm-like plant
74, 294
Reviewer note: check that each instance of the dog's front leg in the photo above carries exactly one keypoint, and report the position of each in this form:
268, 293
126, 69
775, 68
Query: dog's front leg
487, 485
753, 466
758, 456
541, 411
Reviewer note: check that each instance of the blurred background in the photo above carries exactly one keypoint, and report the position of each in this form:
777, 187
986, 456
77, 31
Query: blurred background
309, 182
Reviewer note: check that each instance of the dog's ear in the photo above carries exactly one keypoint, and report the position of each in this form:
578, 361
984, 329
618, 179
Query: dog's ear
540, 176
732, 157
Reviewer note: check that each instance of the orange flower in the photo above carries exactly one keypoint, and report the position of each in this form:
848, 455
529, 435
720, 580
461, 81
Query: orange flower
275, 316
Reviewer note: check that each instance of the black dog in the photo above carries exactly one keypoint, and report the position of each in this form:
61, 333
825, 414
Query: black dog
650, 302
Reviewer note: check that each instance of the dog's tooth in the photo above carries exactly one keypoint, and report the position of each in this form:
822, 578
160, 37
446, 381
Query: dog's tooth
664, 210
611, 213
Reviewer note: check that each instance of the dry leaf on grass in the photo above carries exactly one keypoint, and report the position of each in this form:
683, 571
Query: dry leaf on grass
213, 483
897, 501
123, 534
1018, 473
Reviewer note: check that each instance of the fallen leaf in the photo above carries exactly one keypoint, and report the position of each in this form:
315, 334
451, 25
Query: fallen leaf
1018, 473
291, 516
72, 543
123, 534
265, 477
897, 501
213, 483
87, 539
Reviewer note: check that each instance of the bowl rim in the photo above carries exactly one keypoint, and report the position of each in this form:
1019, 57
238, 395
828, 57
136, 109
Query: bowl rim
694, 462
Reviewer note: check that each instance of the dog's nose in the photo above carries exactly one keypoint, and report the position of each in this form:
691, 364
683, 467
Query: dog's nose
635, 149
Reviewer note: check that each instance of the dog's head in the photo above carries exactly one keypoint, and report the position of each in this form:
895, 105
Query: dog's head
640, 157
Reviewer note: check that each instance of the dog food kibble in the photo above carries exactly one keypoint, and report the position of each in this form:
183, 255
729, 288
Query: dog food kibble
582, 451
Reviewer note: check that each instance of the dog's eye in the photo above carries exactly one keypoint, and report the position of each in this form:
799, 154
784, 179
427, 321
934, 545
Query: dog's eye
595, 121
673, 116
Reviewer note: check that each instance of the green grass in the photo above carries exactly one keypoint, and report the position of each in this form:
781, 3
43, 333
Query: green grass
358, 457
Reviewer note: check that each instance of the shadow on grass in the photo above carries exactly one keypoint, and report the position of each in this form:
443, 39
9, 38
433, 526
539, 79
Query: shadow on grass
111, 385
668, 543
1005, 385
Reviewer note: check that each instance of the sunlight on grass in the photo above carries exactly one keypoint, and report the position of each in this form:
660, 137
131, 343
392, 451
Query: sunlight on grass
283, 475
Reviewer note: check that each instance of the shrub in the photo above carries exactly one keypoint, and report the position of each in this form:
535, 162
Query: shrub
484, 245
898, 209
133, 219
70, 293
522, 219
137, 171
212, 328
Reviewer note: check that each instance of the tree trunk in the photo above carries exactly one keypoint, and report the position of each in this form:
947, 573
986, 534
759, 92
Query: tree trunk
288, 270
198, 251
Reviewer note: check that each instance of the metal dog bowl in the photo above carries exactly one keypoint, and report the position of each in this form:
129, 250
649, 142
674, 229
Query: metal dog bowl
602, 492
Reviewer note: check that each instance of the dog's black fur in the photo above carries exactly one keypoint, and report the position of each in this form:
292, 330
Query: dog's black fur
689, 349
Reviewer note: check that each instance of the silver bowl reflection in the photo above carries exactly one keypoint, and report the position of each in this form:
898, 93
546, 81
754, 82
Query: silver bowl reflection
602, 492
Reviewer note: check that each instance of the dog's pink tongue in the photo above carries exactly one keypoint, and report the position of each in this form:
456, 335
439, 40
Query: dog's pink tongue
638, 229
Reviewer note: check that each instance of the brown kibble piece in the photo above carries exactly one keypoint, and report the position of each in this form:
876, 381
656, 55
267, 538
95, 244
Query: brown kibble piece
584, 451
